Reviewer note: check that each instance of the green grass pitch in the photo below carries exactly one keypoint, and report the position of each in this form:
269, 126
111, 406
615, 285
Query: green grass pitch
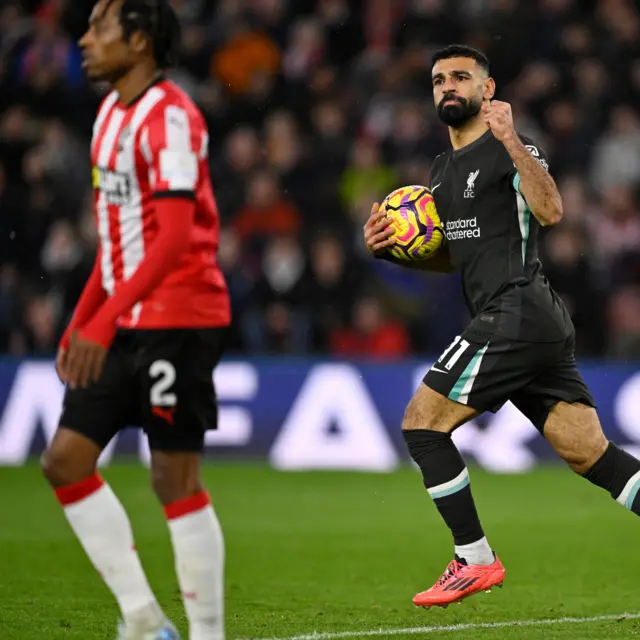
335, 552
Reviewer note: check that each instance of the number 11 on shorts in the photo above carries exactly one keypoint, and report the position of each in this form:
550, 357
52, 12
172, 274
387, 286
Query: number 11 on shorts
462, 345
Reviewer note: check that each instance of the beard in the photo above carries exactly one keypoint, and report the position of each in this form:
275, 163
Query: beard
458, 114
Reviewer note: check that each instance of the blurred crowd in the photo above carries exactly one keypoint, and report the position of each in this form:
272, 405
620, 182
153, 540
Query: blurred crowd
316, 109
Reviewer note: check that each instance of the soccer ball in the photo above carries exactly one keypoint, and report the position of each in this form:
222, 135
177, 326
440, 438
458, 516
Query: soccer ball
418, 230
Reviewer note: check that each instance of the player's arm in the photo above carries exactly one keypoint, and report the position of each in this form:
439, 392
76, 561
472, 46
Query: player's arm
378, 236
174, 216
92, 297
173, 171
536, 185
440, 262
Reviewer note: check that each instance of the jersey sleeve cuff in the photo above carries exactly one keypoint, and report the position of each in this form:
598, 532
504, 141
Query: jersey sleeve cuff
182, 193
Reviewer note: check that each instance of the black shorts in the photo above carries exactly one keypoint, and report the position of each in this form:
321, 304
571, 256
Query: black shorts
160, 380
534, 376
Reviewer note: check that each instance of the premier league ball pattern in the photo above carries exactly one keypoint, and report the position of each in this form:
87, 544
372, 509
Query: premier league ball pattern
418, 230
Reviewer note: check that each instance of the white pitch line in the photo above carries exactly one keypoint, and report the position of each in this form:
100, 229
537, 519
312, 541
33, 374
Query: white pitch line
456, 627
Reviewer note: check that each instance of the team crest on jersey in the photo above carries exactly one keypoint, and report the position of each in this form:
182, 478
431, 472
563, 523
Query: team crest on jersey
115, 186
469, 192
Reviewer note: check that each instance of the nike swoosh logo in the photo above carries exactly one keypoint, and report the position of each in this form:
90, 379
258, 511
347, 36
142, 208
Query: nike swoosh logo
438, 370
434, 188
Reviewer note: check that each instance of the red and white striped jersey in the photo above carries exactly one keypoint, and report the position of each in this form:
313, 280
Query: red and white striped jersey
157, 146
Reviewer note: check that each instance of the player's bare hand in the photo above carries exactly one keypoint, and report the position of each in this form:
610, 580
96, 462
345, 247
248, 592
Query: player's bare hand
61, 364
85, 361
499, 118
378, 231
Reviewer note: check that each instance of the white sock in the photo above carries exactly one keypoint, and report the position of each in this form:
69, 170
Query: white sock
102, 526
478, 552
198, 545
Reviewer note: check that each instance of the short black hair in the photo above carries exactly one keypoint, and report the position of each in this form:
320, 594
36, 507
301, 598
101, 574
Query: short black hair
158, 21
462, 51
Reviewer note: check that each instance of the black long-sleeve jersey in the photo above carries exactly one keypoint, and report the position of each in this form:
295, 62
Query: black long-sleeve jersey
493, 241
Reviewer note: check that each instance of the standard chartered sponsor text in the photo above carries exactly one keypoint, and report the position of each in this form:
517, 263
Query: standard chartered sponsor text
462, 228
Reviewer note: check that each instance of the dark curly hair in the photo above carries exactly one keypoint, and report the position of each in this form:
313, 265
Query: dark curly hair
158, 21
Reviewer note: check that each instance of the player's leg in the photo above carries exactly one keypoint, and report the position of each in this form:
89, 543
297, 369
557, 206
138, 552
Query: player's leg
428, 422
90, 418
560, 405
468, 379
574, 432
197, 539
181, 407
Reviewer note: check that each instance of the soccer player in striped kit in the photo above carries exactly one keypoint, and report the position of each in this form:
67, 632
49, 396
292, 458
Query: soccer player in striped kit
149, 327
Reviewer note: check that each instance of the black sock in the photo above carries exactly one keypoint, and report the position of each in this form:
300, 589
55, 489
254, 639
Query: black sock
441, 464
619, 473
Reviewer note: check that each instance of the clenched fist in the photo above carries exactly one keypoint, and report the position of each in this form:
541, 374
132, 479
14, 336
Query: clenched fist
500, 119
378, 231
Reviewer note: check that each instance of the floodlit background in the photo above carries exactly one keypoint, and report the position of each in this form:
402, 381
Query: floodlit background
317, 108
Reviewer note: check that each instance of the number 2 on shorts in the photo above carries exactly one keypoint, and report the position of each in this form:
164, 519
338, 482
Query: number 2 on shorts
165, 373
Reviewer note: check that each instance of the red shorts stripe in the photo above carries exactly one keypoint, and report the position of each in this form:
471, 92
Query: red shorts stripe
79, 491
187, 505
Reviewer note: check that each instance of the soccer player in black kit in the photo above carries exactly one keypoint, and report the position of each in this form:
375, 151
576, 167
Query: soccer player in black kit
493, 192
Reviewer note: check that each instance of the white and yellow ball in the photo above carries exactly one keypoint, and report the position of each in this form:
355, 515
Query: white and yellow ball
418, 230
